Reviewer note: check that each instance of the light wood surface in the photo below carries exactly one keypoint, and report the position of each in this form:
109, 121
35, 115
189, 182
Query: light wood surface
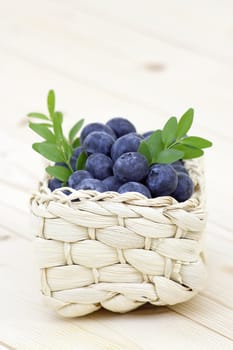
145, 60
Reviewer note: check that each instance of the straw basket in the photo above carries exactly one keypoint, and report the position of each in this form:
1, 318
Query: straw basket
118, 251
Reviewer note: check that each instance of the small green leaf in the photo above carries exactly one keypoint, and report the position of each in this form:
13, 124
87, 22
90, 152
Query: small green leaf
37, 115
144, 149
81, 161
76, 143
185, 123
57, 124
155, 143
49, 151
197, 142
169, 131
59, 172
68, 149
60, 115
75, 129
188, 151
51, 103
43, 131
169, 155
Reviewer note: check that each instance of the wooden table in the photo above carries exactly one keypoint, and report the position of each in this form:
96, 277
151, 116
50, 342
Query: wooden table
145, 60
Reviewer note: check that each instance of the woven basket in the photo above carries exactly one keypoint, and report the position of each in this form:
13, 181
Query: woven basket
118, 251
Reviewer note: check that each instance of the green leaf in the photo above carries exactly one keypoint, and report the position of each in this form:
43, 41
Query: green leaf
169, 131
49, 151
57, 124
43, 131
75, 129
51, 103
81, 161
197, 142
155, 143
144, 149
68, 149
169, 155
185, 123
188, 151
76, 143
59, 172
37, 115
60, 114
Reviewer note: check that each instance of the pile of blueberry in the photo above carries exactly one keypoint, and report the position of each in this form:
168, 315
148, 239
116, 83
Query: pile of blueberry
113, 164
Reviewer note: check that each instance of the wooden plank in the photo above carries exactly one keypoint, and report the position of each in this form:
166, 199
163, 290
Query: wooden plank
174, 23
219, 265
128, 81
209, 313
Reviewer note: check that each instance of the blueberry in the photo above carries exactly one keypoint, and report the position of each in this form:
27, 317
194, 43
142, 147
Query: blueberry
178, 162
121, 126
99, 165
112, 183
180, 169
53, 184
135, 187
161, 180
98, 142
91, 184
184, 188
147, 134
126, 143
179, 166
96, 127
131, 166
67, 192
77, 177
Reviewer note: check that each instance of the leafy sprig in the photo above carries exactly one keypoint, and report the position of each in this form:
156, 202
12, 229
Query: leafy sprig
172, 143
162, 146
56, 147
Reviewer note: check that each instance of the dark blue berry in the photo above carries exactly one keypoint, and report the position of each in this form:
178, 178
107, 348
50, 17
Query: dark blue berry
76, 153
99, 165
96, 127
126, 143
184, 188
121, 126
98, 142
180, 169
112, 183
67, 192
77, 177
135, 187
131, 166
53, 184
161, 180
92, 184
178, 162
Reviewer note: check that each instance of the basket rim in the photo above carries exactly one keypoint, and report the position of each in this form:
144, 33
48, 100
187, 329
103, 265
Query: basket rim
194, 167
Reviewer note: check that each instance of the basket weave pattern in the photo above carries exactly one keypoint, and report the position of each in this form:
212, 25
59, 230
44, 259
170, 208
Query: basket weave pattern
118, 251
